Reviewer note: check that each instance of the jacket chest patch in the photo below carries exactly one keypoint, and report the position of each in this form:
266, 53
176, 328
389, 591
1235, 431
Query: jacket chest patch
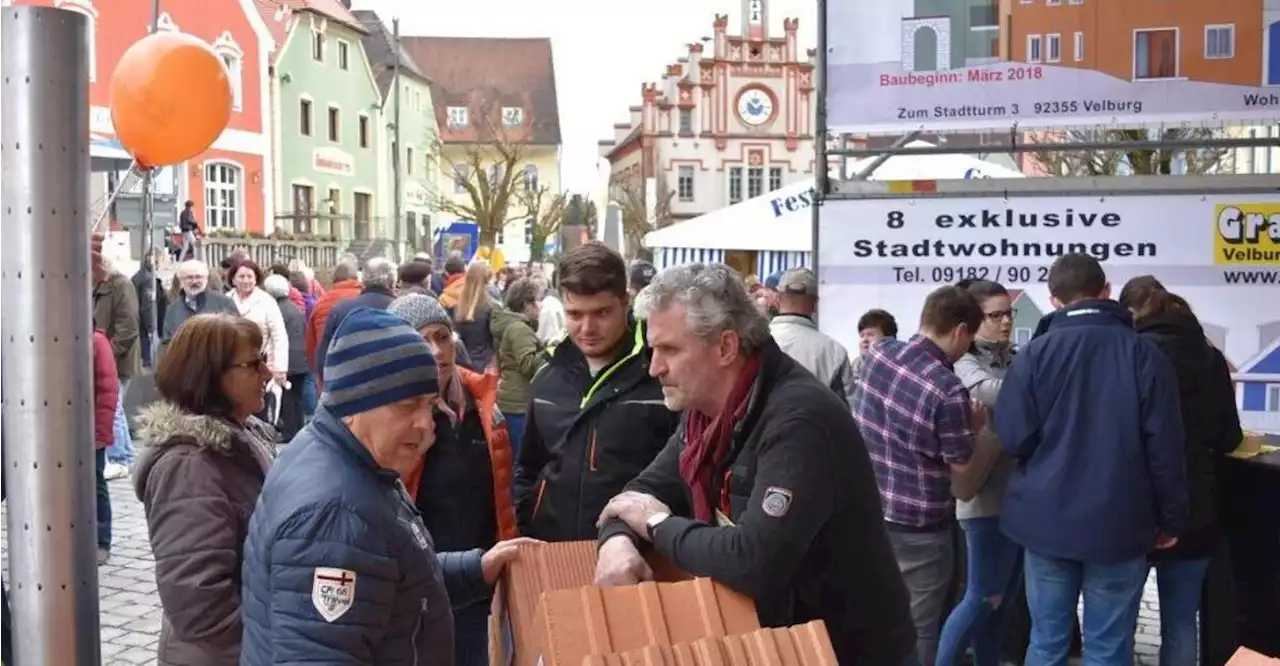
418, 532
333, 592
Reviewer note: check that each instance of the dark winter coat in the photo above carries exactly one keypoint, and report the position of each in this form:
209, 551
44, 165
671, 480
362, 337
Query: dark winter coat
115, 311
807, 538
476, 336
358, 528
370, 297
182, 309
1209, 418
198, 478
585, 437
106, 391
296, 327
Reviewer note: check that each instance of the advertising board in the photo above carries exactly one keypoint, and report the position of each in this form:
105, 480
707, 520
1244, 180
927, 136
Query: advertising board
896, 65
1221, 253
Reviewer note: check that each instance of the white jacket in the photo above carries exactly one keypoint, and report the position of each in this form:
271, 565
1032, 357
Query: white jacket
818, 352
260, 308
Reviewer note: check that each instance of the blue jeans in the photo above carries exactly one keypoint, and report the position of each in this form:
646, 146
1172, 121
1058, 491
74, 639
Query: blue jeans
309, 397
1180, 582
515, 428
993, 574
1112, 594
121, 450
103, 496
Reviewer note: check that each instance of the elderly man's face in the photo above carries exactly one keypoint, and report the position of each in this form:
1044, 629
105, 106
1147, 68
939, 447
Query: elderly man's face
687, 365
397, 435
194, 280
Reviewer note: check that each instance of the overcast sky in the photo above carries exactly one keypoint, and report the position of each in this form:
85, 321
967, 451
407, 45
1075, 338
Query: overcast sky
602, 54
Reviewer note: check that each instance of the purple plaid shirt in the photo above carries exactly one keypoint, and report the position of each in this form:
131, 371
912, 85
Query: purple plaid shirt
915, 417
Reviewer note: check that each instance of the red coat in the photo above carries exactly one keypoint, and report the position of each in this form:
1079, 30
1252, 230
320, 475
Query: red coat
106, 391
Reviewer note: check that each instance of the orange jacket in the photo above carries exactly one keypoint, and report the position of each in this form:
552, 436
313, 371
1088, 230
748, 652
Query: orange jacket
484, 390
315, 326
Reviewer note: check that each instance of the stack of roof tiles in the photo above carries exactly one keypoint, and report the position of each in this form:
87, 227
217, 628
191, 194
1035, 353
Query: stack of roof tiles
548, 613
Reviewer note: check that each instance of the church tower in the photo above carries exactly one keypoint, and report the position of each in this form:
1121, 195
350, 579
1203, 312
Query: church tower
755, 19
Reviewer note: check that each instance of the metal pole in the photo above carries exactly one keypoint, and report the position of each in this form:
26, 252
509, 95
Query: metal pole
821, 169
46, 333
1162, 144
884, 157
149, 232
396, 160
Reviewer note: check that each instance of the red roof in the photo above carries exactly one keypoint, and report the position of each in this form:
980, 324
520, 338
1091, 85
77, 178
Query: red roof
277, 14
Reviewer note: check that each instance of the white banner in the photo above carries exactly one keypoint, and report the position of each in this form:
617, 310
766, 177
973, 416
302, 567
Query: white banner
1220, 253
896, 65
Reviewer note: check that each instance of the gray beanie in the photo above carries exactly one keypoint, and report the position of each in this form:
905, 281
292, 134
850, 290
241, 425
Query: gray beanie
420, 310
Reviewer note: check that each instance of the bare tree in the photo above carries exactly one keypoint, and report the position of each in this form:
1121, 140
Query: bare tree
488, 172
630, 197
1085, 163
546, 210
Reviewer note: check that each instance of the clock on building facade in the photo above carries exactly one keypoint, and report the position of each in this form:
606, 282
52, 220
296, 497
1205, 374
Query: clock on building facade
755, 107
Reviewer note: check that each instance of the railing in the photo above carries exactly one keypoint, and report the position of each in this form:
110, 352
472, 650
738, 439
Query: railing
267, 251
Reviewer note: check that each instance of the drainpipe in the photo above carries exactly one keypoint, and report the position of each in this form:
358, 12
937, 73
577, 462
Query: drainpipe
398, 197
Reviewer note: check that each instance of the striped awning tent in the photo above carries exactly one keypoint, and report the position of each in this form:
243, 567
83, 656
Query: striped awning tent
665, 257
770, 262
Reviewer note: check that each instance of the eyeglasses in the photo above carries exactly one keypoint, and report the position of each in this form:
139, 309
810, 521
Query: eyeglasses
997, 315
256, 364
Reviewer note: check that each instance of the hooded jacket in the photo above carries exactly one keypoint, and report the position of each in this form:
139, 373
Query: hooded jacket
115, 312
106, 391
519, 356
1090, 410
816, 351
585, 437
198, 478
1209, 419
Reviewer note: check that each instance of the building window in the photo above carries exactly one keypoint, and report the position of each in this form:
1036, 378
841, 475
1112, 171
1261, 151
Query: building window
235, 74
303, 210
333, 204
363, 129
1075, 2
461, 173
684, 184
363, 214
317, 45
775, 178
1052, 3
344, 55
735, 185
305, 118
1033, 48
1054, 42
496, 174
408, 160
512, 116
1079, 46
1219, 41
1273, 397
457, 116
686, 121
335, 124
222, 198
1155, 54
755, 182
530, 178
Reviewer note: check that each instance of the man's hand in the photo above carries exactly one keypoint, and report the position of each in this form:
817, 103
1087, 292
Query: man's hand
634, 509
619, 563
979, 411
493, 561
1164, 541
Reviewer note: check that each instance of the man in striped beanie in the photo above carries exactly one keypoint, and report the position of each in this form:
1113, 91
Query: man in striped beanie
338, 565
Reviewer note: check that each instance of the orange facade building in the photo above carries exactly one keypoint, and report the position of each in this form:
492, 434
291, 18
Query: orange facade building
1219, 41
229, 182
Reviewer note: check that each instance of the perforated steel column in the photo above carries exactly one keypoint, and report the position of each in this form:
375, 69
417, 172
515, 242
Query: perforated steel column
45, 337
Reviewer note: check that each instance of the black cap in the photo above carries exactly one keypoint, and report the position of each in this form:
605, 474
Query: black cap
641, 274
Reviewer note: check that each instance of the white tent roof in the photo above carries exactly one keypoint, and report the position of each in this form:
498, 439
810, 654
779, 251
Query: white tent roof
779, 221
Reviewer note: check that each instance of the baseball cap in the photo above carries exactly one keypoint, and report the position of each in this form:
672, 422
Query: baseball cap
798, 282
641, 274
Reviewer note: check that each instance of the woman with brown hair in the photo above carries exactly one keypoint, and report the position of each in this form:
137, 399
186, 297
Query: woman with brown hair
472, 314
1212, 426
201, 471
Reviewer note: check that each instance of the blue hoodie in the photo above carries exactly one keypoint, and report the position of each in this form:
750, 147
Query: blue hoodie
1090, 410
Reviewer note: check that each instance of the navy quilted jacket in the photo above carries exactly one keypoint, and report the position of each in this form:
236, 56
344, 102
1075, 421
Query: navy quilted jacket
338, 568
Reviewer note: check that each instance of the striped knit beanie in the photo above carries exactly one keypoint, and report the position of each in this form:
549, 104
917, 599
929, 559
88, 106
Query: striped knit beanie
375, 359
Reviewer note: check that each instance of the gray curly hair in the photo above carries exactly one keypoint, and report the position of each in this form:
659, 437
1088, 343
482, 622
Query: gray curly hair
715, 301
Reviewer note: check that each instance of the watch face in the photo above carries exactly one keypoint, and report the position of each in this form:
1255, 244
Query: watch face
755, 107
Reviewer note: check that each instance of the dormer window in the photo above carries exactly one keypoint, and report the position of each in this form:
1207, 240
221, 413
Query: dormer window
512, 116
232, 58
457, 116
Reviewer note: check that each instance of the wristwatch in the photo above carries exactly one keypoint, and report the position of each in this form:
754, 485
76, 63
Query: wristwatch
653, 521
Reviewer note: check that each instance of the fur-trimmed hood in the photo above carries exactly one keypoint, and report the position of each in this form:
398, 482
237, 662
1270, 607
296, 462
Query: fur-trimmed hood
163, 425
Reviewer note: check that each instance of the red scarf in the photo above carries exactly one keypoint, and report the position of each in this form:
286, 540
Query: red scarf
707, 441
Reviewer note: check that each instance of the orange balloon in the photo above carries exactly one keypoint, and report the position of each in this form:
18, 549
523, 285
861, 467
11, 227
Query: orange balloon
170, 98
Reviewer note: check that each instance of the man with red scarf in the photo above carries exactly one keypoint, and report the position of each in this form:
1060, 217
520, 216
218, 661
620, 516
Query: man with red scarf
766, 486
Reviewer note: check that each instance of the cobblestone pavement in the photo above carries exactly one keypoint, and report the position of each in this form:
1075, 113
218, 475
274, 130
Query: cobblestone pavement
130, 607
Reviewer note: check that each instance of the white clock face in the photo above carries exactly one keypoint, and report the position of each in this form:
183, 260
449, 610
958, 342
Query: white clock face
755, 107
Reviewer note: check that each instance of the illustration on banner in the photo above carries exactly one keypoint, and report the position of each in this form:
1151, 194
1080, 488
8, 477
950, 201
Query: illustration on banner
969, 64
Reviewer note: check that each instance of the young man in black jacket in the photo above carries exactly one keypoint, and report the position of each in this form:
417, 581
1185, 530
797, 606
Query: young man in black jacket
767, 487
595, 417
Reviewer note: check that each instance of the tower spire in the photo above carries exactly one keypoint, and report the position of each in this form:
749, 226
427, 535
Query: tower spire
755, 19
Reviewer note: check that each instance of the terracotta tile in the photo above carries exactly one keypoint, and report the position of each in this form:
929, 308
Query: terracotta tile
801, 645
1247, 657
592, 620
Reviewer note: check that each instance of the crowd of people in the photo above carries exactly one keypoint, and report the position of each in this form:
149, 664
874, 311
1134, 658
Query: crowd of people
339, 475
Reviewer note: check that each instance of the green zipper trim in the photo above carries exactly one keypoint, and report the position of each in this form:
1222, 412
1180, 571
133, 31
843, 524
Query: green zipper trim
635, 351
